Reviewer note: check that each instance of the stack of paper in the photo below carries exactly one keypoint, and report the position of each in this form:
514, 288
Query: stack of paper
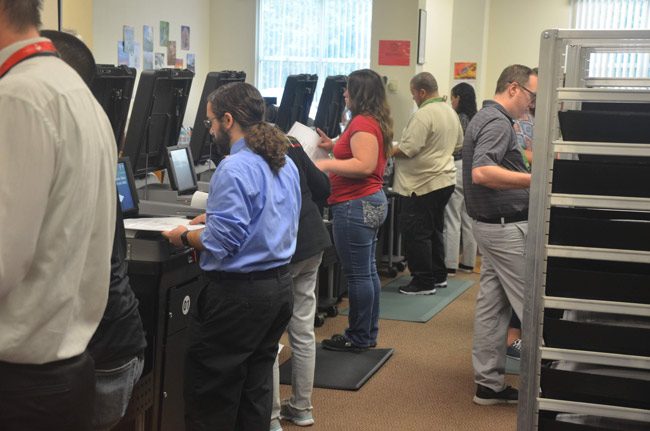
309, 140
160, 224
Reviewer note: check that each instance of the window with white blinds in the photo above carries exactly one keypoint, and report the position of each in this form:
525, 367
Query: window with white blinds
322, 37
615, 15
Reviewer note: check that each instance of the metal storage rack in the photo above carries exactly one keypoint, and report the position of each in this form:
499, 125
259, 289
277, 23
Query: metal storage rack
565, 85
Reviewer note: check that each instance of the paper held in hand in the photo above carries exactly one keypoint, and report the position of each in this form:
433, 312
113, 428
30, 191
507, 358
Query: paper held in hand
309, 140
159, 224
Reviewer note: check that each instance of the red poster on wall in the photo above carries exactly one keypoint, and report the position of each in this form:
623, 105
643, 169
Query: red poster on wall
394, 52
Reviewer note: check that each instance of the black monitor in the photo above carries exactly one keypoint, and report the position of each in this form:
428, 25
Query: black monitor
181, 169
331, 105
156, 117
126, 190
200, 142
113, 88
296, 100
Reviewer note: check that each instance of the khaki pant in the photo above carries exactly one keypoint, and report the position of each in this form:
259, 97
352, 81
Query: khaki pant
503, 267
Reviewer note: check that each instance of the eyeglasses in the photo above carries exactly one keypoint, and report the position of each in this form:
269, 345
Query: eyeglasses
532, 95
208, 122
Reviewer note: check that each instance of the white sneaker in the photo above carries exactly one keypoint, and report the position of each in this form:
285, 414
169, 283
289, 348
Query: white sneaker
275, 425
302, 418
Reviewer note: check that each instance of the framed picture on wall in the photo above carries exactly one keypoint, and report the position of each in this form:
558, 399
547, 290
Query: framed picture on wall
422, 35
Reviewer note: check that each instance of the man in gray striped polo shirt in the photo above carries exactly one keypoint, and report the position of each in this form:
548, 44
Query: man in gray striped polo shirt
496, 195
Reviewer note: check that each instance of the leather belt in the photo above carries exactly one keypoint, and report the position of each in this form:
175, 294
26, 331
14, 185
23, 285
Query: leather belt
248, 276
511, 218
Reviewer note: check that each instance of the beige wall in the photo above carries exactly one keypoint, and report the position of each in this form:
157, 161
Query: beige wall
232, 36
396, 20
111, 15
50, 15
440, 15
470, 18
514, 31
77, 17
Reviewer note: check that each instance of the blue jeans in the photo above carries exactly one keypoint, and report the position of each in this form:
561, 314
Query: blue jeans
355, 225
113, 390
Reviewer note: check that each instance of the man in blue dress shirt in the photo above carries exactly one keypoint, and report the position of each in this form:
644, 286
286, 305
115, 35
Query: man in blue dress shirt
249, 237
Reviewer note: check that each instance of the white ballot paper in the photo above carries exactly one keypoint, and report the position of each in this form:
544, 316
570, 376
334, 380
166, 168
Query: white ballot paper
309, 140
159, 224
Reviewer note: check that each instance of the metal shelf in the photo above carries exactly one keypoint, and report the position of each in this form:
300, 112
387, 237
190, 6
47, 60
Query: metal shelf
575, 407
564, 66
627, 308
598, 358
616, 255
598, 38
617, 82
601, 148
604, 95
594, 201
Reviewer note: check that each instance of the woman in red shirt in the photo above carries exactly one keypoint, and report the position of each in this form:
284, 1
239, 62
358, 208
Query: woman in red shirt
358, 204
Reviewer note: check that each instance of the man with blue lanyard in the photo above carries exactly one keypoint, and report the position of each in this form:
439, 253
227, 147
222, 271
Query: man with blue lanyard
251, 224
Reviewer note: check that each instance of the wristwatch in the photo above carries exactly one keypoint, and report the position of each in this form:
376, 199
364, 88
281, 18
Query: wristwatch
184, 238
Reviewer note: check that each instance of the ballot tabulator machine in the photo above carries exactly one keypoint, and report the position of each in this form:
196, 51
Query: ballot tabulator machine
165, 279
167, 282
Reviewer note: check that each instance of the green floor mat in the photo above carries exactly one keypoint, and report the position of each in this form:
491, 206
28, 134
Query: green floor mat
416, 308
512, 366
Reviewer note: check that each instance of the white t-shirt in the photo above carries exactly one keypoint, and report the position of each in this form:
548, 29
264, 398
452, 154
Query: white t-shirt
57, 210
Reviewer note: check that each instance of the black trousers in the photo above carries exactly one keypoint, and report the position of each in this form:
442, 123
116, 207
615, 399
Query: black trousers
234, 341
422, 219
54, 396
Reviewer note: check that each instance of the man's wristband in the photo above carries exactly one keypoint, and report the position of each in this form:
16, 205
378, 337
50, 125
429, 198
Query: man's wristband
184, 239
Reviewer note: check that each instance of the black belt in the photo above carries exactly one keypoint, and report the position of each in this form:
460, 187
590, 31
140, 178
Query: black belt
249, 276
511, 218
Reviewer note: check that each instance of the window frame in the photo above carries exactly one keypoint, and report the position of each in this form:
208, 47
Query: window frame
320, 62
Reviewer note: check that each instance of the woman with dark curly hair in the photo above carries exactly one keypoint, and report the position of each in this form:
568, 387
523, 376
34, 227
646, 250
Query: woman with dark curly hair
251, 226
358, 203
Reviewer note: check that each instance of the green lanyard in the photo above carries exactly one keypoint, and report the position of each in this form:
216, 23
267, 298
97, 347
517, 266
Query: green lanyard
432, 100
523, 156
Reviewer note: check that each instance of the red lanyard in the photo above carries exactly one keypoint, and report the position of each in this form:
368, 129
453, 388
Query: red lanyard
33, 50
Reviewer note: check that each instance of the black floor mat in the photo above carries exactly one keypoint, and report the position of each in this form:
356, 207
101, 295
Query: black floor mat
341, 370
